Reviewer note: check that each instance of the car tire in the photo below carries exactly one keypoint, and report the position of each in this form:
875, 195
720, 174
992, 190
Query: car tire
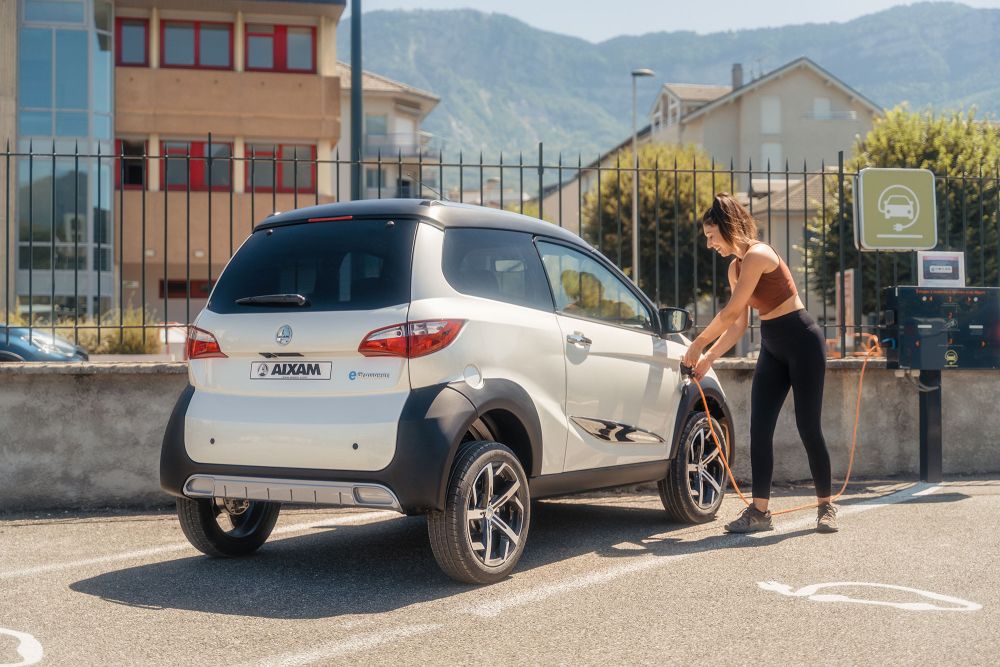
696, 482
226, 529
480, 535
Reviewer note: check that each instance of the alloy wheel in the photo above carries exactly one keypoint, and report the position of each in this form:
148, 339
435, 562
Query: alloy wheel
495, 514
705, 470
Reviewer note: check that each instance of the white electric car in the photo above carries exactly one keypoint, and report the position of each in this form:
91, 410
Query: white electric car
431, 358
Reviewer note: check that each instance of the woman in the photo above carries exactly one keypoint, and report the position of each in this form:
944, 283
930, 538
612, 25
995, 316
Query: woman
792, 355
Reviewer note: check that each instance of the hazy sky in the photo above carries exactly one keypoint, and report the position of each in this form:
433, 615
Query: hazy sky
598, 21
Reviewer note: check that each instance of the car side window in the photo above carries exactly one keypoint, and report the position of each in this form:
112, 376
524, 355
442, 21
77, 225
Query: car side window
583, 287
495, 264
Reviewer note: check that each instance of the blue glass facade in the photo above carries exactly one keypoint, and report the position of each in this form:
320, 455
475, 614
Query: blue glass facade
64, 202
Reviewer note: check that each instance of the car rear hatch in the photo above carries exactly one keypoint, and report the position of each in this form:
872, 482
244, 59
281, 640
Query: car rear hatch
289, 313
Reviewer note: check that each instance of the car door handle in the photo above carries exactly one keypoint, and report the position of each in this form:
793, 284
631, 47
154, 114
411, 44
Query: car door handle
578, 339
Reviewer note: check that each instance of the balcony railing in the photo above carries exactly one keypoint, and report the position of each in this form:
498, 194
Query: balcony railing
407, 144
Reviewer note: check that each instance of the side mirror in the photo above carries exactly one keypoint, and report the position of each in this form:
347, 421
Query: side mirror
674, 320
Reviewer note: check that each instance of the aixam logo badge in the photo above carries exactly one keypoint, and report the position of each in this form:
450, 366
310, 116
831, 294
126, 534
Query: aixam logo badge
284, 335
308, 370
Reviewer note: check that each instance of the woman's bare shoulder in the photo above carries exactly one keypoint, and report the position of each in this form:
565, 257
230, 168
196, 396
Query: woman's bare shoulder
763, 254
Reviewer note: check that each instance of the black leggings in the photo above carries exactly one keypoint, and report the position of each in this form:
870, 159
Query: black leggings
792, 354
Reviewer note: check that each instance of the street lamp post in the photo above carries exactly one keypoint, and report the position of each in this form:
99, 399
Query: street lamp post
636, 73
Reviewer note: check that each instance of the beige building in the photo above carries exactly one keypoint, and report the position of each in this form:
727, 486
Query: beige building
263, 78
392, 134
799, 113
224, 112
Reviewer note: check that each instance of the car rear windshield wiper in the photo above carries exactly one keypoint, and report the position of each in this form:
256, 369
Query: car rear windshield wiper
274, 300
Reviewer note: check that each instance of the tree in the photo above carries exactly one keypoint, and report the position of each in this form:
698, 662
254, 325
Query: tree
672, 198
963, 153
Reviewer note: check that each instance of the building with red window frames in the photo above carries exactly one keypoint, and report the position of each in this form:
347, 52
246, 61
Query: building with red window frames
225, 111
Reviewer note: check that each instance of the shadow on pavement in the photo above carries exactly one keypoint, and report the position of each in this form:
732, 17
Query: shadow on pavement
387, 565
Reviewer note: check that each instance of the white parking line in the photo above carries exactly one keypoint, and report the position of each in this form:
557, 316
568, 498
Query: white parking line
809, 519
339, 649
351, 519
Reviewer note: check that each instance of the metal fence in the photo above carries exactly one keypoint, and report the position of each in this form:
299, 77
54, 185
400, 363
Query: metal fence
103, 247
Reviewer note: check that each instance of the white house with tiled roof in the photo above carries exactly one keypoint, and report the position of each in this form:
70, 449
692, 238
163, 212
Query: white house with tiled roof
799, 113
393, 113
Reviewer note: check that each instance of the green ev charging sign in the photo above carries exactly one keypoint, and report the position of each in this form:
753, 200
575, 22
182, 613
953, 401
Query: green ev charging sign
895, 210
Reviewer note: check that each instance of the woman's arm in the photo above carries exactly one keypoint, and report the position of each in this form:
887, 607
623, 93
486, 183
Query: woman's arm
755, 263
729, 338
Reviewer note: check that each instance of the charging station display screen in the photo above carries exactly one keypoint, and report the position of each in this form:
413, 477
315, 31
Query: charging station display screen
931, 328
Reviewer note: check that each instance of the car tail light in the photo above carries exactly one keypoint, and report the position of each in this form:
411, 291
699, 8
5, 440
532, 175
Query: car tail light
202, 344
410, 340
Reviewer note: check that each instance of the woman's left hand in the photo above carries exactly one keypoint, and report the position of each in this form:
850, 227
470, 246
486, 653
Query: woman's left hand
703, 366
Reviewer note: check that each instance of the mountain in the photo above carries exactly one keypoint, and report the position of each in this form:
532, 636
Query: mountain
506, 86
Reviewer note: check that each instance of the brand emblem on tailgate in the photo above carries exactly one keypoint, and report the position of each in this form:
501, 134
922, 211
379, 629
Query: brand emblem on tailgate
284, 335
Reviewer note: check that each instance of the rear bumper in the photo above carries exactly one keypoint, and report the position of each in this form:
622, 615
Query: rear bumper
431, 426
345, 494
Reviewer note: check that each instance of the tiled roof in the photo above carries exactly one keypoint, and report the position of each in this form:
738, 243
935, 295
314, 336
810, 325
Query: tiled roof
696, 92
378, 83
799, 194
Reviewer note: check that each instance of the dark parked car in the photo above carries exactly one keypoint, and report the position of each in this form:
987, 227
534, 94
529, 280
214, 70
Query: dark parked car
22, 344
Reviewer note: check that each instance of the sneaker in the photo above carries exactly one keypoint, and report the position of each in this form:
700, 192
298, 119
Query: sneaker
752, 520
826, 518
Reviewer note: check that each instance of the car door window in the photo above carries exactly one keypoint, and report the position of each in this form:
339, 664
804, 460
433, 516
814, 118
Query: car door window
583, 287
495, 264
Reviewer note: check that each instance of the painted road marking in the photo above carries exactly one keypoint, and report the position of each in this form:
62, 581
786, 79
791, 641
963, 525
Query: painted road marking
809, 520
810, 593
348, 520
28, 648
642, 563
339, 649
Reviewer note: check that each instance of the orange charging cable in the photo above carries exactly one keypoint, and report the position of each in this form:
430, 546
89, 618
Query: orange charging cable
873, 348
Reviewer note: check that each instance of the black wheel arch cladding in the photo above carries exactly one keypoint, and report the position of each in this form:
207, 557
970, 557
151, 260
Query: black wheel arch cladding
498, 394
691, 402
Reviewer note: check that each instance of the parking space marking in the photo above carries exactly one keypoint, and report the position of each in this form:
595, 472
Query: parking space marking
350, 519
28, 648
640, 564
339, 649
810, 593
497, 607
809, 519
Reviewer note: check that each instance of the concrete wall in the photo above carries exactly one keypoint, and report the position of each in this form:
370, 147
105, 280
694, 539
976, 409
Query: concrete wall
89, 435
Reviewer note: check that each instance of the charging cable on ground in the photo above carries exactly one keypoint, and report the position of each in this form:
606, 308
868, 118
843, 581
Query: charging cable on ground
873, 348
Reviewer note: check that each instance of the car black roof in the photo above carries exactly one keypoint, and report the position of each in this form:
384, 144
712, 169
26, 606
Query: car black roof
443, 214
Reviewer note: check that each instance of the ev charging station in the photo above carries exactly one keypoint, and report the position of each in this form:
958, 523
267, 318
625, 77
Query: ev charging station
939, 324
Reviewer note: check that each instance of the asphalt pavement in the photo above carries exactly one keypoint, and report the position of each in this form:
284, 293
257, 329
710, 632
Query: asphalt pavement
911, 579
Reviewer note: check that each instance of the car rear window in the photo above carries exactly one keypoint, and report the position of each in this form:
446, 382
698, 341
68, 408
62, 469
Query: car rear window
338, 265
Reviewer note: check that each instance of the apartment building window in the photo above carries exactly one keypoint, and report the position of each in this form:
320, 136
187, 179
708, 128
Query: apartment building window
770, 115
132, 40
189, 164
130, 167
178, 289
374, 178
286, 167
280, 48
197, 44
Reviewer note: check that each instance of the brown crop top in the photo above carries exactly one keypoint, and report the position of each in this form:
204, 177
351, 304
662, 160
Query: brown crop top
773, 288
